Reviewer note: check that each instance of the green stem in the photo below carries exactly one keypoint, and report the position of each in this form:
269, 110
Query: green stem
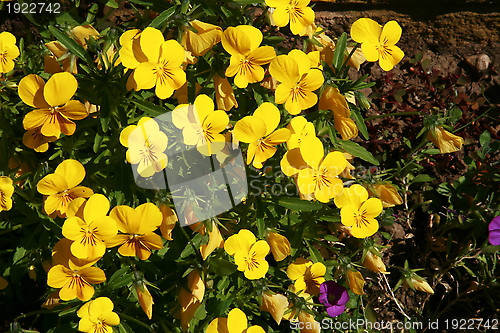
138, 322
470, 122
32, 313
393, 114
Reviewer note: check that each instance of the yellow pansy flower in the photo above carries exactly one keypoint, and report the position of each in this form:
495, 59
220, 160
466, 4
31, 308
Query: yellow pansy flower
137, 226
236, 322
249, 254
317, 173
53, 118
257, 130
61, 187
224, 94
307, 276
294, 12
97, 316
8, 51
359, 212
299, 128
35, 140
200, 42
444, 140
131, 54
89, 227
332, 99
242, 43
146, 146
298, 81
163, 67
275, 304
378, 43
280, 246
201, 125
6, 191
215, 239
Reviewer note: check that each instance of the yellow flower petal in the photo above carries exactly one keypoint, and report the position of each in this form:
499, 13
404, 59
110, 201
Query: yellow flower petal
355, 281
270, 114
249, 129
52, 184
72, 171
60, 88
97, 206
151, 40
312, 151
31, 91
366, 30
237, 321
285, 69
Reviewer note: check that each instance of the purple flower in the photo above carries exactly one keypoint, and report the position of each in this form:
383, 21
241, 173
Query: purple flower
494, 228
334, 297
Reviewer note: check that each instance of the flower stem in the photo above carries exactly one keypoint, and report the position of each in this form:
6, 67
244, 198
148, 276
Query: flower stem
393, 114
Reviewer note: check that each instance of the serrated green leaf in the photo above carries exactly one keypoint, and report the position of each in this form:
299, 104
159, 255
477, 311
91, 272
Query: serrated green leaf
356, 150
299, 204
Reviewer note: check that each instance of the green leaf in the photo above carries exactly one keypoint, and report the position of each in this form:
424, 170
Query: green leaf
163, 17
200, 313
149, 108
97, 142
222, 267
299, 204
72, 46
120, 278
124, 328
20, 253
338, 54
422, 178
360, 122
485, 139
356, 150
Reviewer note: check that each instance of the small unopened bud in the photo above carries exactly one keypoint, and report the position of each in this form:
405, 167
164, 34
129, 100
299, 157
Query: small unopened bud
374, 263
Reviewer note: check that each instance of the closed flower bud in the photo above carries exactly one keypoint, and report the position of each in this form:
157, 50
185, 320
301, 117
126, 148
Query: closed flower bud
355, 281
388, 194
280, 246
224, 94
374, 263
145, 299
275, 304
420, 285
32, 272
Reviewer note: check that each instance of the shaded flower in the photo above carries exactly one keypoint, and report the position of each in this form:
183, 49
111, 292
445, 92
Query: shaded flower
146, 144
259, 131
444, 140
249, 254
294, 12
97, 316
8, 51
236, 322
388, 194
378, 43
201, 125
332, 99
199, 43
359, 212
51, 63
307, 276
136, 226
90, 228
280, 246
356, 281
242, 43
6, 191
3, 283
494, 229
145, 299
215, 240
61, 187
417, 282
334, 297
82, 33
34, 139
275, 304
53, 118
168, 222
224, 94
298, 80
190, 300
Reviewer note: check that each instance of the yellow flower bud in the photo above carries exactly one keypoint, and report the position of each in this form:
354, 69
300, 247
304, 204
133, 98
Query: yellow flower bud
275, 304
374, 263
420, 285
145, 299
32, 272
388, 194
355, 281
280, 246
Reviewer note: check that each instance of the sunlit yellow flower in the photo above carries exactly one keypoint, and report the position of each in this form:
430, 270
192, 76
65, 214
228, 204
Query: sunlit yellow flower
61, 187
190, 300
249, 254
275, 304
168, 222
48, 98
8, 51
294, 12
299, 128
137, 226
242, 43
97, 316
75, 282
82, 33
199, 43
236, 322
378, 43
332, 99
90, 230
257, 130
163, 68
374, 263
201, 125
145, 299
280, 246
307, 276
298, 81
359, 212
317, 173
388, 194
224, 94
356, 281
444, 140
6, 191
146, 145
